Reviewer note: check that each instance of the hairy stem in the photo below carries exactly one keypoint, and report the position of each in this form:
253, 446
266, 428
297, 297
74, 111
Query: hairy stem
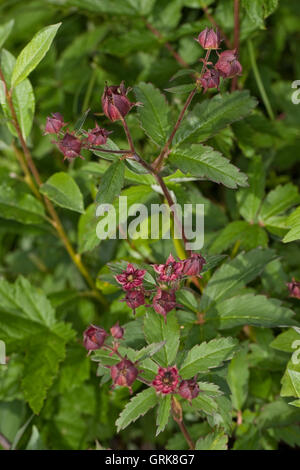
258, 79
177, 416
55, 221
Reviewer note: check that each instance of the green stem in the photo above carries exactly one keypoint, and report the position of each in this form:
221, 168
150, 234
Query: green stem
259, 82
89, 90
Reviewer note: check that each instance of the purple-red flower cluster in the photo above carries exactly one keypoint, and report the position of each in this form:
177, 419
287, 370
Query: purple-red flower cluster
168, 381
169, 275
227, 65
115, 105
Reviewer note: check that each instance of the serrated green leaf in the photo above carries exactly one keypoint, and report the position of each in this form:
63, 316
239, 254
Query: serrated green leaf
250, 199
205, 162
210, 116
180, 89
87, 236
278, 201
154, 112
28, 320
293, 221
156, 329
256, 310
136, 407
249, 237
33, 53
291, 381
22, 97
205, 356
163, 413
111, 183
62, 189
16, 203
213, 441
237, 378
231, 276
204, 403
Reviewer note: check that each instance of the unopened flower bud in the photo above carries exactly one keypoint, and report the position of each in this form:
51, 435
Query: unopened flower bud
164, 301
94, 337
117, 331
209, 39
124, 373
115, 103
188, 389
54, 124
210, 79
166, 380
70, 146
294, 289
97, 136
193, 266
228, 65
134, 299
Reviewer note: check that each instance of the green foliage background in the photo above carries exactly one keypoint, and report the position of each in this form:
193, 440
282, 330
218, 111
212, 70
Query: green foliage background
49, 392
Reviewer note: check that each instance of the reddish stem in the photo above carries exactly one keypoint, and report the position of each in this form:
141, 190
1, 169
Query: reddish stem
170, 48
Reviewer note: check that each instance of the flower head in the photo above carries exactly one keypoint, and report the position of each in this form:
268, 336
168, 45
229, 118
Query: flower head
210, 79
209, 39
115, 103
166, 380
164, 301
124, 373
193, 265
117, 331
171, 271
70, 146
94, 337
294, 289
131, 277
188, 389
54, 124
97, 136
134, 299
228, 65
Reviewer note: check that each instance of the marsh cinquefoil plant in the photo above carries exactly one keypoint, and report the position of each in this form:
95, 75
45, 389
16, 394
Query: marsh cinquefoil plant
192, 350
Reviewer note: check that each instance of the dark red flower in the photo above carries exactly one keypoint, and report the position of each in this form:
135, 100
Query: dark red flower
188, 389
70, 146
193, 266
115, 103
164, 301
54, 124
117, 331
131, 277
124, 373
294, 289
210, 79
166, 380
171, 271
97, 136
228, 65
134, 299
94, 337
209, 39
